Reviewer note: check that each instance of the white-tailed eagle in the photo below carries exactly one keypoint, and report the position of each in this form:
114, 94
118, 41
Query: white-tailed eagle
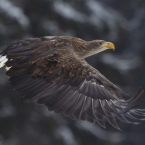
52, 70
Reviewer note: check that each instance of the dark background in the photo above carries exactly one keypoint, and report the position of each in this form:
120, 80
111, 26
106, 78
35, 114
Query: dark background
119, 21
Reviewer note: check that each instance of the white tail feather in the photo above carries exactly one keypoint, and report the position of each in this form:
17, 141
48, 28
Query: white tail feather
3, 60
8, 68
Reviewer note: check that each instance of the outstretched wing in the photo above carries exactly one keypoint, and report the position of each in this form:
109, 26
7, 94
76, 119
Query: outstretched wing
52, 74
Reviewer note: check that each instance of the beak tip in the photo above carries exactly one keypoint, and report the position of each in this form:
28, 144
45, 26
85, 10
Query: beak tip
111, 45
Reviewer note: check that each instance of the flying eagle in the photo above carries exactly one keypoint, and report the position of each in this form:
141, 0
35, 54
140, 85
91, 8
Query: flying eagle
52, 71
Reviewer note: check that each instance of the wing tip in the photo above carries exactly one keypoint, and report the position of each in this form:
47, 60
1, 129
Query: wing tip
138, 95
140, 91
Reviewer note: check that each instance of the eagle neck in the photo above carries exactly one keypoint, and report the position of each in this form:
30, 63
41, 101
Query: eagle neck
80, 47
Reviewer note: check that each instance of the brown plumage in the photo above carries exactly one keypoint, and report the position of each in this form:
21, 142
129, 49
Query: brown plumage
52, 70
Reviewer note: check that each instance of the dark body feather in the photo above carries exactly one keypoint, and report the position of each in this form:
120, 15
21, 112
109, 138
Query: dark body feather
52, 70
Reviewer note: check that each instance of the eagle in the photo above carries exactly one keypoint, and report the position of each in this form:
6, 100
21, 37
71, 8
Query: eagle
52, 70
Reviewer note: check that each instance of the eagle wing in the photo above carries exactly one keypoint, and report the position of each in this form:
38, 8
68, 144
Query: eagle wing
52, 74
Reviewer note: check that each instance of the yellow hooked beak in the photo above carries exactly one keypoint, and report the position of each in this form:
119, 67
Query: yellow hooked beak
108, 45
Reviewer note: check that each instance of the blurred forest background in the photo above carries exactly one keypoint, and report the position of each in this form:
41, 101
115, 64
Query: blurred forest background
119, 21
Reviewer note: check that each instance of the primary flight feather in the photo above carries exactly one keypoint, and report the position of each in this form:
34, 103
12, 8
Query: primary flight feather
52, 70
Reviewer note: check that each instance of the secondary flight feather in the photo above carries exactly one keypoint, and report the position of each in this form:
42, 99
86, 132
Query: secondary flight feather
52, 70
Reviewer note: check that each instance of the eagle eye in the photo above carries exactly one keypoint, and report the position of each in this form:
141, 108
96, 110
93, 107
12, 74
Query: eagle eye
100, 43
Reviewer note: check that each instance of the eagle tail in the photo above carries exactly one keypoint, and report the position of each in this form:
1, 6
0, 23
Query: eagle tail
3, 60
